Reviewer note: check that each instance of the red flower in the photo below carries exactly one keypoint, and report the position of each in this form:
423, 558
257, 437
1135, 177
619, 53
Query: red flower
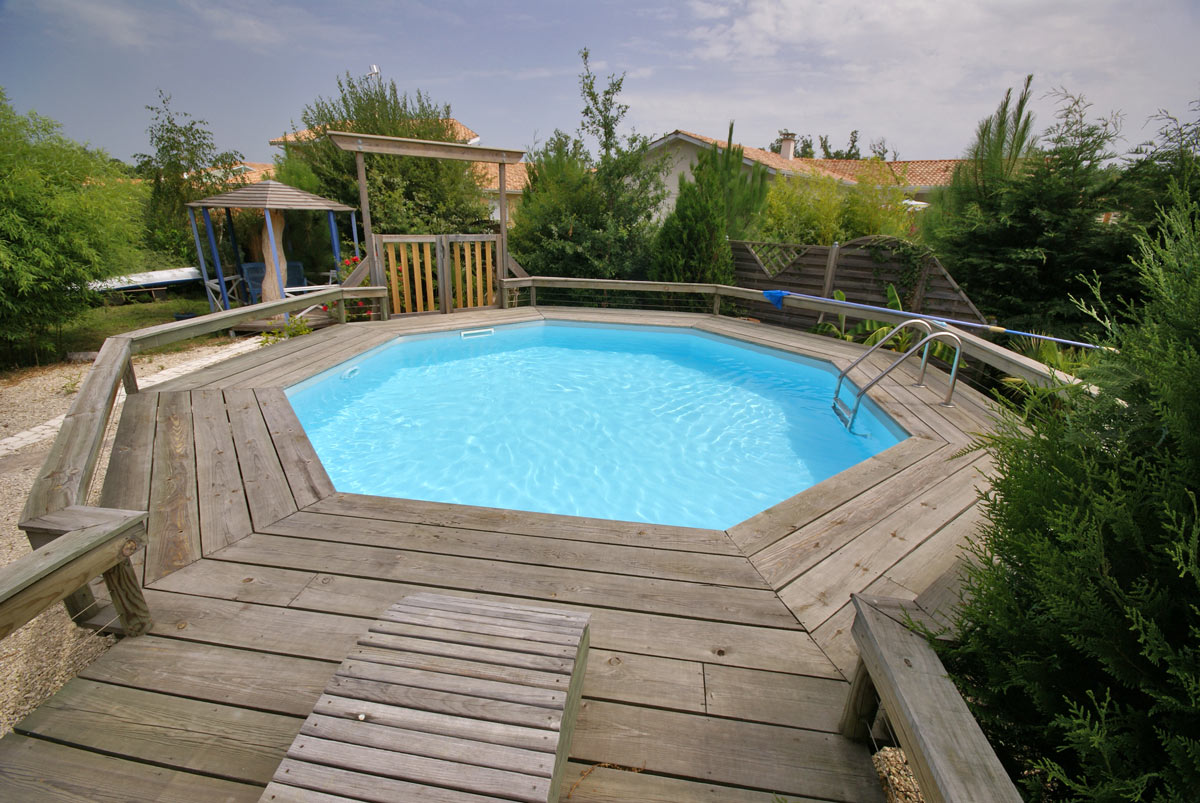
324, 308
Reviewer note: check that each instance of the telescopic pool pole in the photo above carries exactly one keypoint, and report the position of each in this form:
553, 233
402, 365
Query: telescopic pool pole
776, 298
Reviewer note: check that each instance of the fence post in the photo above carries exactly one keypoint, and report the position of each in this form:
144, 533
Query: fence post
443, 288
830, 273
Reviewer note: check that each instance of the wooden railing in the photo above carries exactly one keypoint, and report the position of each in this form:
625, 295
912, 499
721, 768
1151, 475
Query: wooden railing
444, 272
74, 542
985, 351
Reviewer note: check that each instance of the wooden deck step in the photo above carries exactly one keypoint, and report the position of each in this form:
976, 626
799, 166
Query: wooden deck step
493, 724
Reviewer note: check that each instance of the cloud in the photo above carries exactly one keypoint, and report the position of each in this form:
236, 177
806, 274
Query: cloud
119, 23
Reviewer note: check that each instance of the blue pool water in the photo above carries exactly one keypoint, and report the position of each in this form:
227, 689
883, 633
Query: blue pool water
614, 422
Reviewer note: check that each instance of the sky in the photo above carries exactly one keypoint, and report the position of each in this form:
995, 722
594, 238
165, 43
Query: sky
920, 73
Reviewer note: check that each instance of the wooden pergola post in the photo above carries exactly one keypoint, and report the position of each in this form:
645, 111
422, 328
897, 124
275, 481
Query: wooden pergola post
359, 144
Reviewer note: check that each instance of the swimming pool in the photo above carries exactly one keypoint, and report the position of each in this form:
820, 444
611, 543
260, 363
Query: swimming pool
637, 423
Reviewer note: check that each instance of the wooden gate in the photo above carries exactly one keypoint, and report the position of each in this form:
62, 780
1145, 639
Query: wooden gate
439, 273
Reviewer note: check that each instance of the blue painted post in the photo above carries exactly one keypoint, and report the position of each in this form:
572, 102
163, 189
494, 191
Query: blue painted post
237, 252
212, 243
200, 254
337, 248
275, 257
354, 232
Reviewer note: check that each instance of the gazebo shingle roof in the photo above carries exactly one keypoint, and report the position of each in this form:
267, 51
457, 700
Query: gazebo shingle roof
270, 195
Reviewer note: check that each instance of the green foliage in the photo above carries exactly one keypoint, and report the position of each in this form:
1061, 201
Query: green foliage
1079, 640
1019, 227
184, 166
692, 245
819, 210
408, 194
67, 217
743, 193
1172, 159
590, 216
851, 150
295, 327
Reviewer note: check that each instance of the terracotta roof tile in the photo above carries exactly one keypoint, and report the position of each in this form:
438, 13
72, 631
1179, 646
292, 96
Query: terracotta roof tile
516, 177
924, 173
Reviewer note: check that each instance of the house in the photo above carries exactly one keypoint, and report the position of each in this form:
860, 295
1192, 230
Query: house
516, 179
681, 148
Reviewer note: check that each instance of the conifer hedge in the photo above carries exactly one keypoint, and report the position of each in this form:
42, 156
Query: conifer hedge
1080, 637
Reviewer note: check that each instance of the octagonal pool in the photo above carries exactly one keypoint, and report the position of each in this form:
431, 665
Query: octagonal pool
637, 423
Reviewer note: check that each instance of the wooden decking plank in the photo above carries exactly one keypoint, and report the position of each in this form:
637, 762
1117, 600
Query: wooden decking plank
281, 793
35, 769
301, 465
174, 524
213, 375
485, 670
535, 633
267, 491
660, 682
789, 761
757, 533
236, 624
774, 697
316, 360
467, 616
217, 740
834, 638
498, 608
625, 631
439, 773
336, 781
919, 569
817, 594
224, 517
431, 745
577, 528
477, 639
240, 677
425, 721
262, 584
468, 652
542, 550
798, 552
592, 783
719, 603
127, 478
506, 691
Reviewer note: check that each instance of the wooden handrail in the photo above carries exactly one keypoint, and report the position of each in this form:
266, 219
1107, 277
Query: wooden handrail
950, 757
56, 570
985, 351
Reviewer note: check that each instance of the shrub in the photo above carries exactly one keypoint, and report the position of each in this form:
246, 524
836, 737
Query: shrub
1080, 636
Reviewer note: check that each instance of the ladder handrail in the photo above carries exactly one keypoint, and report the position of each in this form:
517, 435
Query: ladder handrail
925, 343
895, 330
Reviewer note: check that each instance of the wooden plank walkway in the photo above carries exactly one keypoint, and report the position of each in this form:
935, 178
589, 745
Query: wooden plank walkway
719, 660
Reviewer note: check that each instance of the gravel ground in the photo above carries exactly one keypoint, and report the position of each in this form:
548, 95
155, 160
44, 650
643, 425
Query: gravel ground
38, 659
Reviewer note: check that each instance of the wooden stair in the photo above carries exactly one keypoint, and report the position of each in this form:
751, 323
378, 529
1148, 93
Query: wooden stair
445, 699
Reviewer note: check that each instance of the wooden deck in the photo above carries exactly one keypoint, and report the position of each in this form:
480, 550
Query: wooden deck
719, 659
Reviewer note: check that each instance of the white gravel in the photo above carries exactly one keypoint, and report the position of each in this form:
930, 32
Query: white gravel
38, 659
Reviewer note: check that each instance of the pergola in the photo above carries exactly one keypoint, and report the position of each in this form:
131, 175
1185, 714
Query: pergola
359, 144
266, 195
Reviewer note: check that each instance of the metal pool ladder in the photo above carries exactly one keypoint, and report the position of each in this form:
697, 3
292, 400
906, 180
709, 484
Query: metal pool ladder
848, 413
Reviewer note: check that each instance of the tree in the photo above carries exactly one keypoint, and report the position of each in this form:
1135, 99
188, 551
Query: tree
585, 215
742, 193
1020, 226
408, 194
1079, 634
1172, 159
185, 165
849, 152
692, 245
804, 146
67, 217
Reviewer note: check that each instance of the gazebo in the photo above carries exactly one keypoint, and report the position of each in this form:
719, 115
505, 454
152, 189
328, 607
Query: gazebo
272, 197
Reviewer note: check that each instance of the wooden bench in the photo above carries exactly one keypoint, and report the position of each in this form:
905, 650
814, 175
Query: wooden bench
448, 700
946, 749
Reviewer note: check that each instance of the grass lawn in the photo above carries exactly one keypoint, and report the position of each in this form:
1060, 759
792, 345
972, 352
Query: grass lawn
88, 331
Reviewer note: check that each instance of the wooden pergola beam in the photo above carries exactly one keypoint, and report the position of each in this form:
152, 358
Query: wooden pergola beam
401, 146
358, 144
